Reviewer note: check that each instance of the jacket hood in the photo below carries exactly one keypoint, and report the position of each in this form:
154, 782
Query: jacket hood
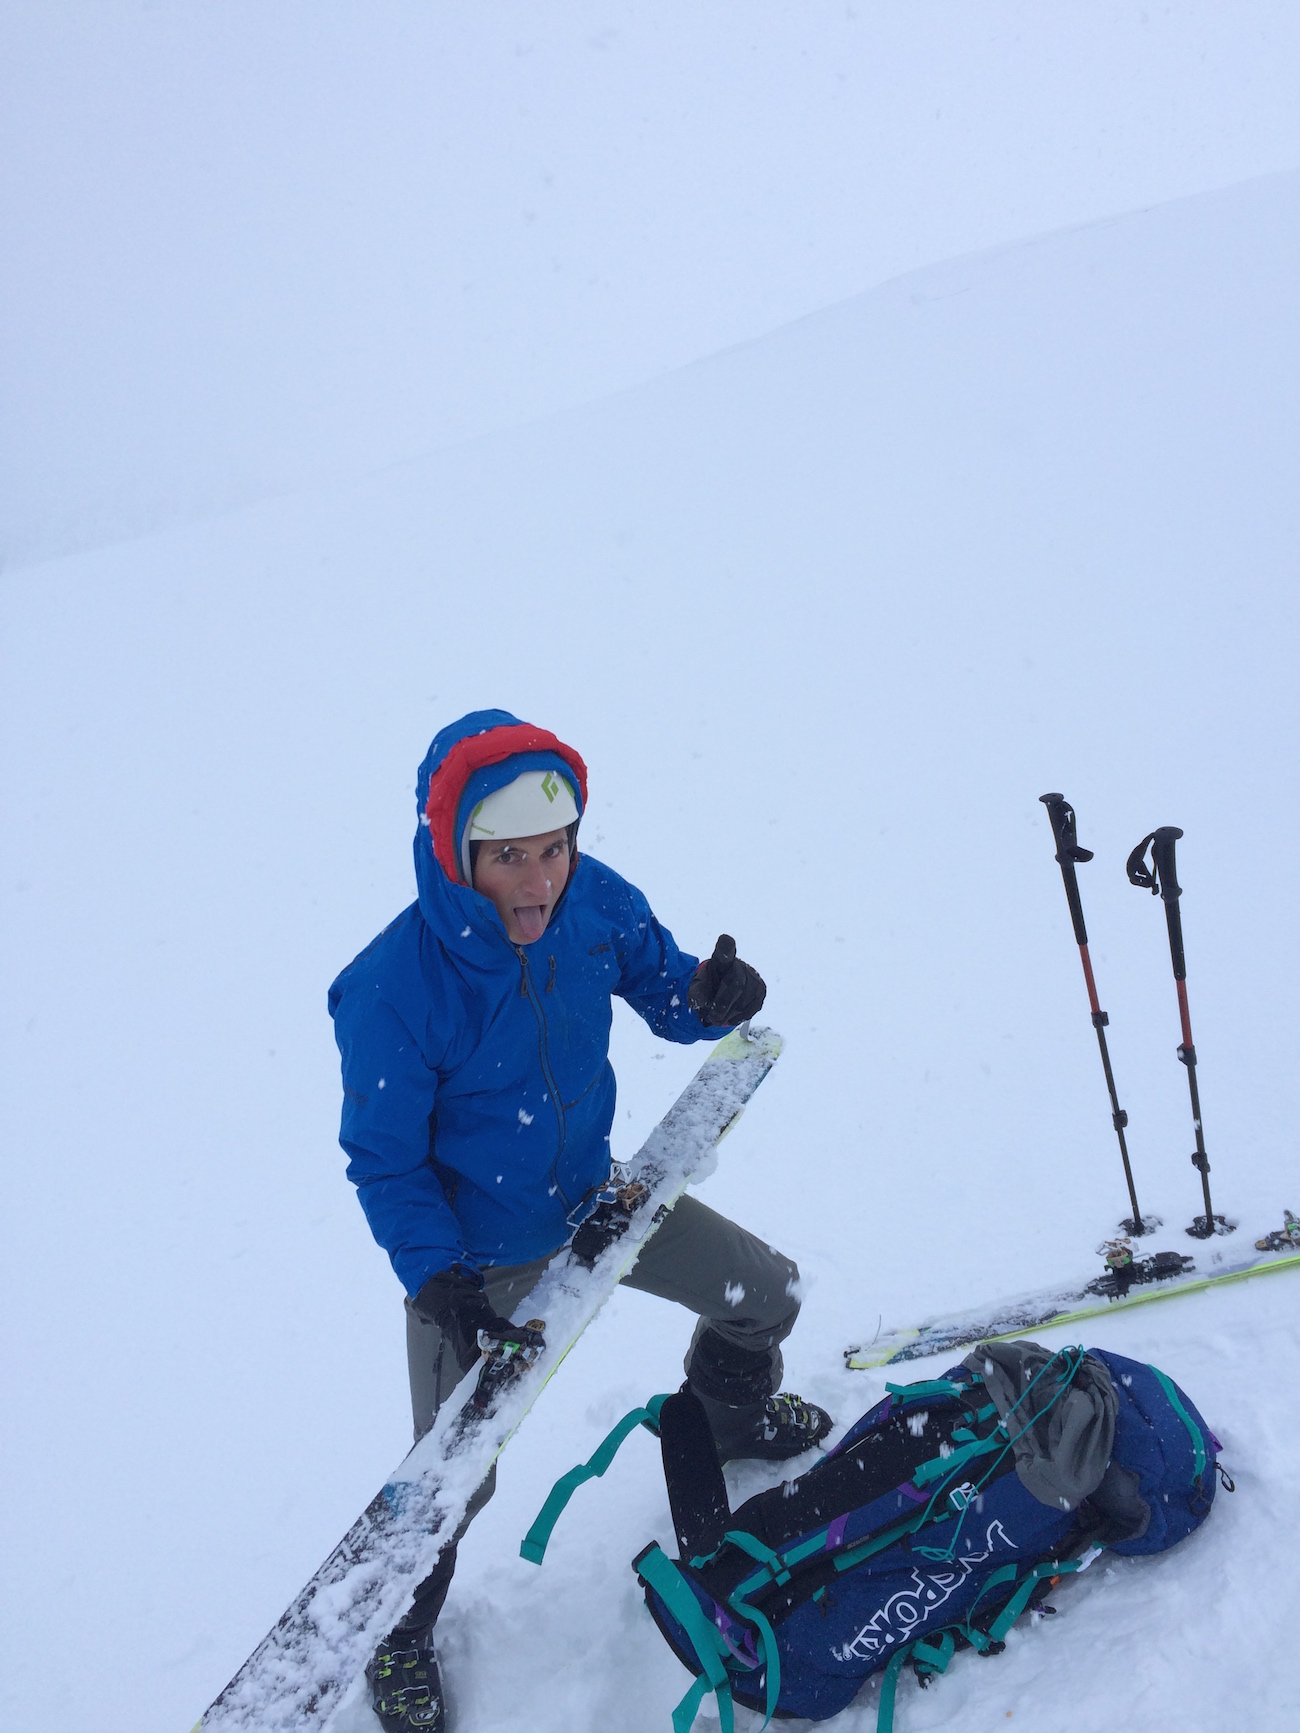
468, 760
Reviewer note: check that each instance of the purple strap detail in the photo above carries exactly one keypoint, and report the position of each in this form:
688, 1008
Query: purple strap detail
1217, 1446
745, 1649
909, 1491
835, 1532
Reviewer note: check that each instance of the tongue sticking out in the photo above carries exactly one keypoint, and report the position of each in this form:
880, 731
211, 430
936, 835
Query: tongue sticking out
531, 921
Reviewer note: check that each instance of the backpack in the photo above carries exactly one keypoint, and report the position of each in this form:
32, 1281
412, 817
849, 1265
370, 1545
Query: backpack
949, 1510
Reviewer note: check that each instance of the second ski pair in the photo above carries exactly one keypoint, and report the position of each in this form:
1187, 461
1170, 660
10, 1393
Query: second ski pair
1161, 879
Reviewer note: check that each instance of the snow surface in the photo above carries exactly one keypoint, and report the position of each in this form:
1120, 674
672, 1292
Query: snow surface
253, 245
825, 614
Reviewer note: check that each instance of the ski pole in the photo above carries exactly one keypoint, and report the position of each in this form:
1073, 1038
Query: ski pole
1161, 879
1068, 854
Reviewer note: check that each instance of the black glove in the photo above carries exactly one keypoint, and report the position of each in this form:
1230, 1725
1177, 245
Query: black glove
454, 1300
725, 990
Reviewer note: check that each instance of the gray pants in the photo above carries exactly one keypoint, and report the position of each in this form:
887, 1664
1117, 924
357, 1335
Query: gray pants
741, 1289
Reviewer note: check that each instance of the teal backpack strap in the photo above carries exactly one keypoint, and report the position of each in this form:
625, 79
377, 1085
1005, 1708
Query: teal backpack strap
845, 1561
975, 1637
658, 1570
888, 1688
533, 1546
932, 1654
1020, 1600
929, 1387
689, 1707
777, 1573
1198, 1443
940, 1466
933, 1657
771, 1655
756, 1550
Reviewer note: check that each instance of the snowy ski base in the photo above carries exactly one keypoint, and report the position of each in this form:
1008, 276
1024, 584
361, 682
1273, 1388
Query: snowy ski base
1057, 1306
301, 1671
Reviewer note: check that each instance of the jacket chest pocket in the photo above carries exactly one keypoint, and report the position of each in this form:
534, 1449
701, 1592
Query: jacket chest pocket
578, 1017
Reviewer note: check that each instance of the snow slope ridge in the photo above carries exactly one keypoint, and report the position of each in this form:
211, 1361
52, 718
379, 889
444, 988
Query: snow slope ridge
825, 616
253, 248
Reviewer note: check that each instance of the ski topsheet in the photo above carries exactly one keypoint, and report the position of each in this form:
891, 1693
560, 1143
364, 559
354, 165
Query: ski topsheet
1065, 1305
298, 1674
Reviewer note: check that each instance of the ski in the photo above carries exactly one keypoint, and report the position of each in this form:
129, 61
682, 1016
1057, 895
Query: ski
1097, 1298
299, 1673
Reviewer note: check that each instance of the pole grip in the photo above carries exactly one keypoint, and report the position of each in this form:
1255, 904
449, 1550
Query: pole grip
1064, 834
1174, 921
1162, 853
1161, 878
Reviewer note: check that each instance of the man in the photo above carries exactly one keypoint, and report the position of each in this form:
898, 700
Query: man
478, 1100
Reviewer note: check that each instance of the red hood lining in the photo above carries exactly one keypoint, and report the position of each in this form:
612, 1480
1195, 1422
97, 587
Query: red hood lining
476, 752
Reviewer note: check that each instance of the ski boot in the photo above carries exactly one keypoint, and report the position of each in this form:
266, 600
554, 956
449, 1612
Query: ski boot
405, 1687
1283, 1239
787, 1427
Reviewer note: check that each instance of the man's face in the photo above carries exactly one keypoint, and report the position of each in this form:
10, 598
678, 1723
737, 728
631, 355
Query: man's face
524, 878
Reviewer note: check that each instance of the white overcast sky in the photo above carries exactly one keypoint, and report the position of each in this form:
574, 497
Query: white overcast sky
252, 245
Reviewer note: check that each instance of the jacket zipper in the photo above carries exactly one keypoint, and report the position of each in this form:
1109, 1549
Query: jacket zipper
529, 992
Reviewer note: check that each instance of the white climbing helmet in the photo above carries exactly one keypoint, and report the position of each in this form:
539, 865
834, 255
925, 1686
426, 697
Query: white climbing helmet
533, 804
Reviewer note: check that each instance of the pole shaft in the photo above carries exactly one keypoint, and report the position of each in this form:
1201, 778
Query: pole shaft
1187, 1053
1162, 876
1061, 814
1119, 1119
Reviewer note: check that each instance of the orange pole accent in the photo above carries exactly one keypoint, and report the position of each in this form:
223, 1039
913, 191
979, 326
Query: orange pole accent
1087, 975
1183, 1013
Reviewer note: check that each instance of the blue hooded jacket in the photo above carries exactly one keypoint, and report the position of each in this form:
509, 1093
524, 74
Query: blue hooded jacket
477, 1090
